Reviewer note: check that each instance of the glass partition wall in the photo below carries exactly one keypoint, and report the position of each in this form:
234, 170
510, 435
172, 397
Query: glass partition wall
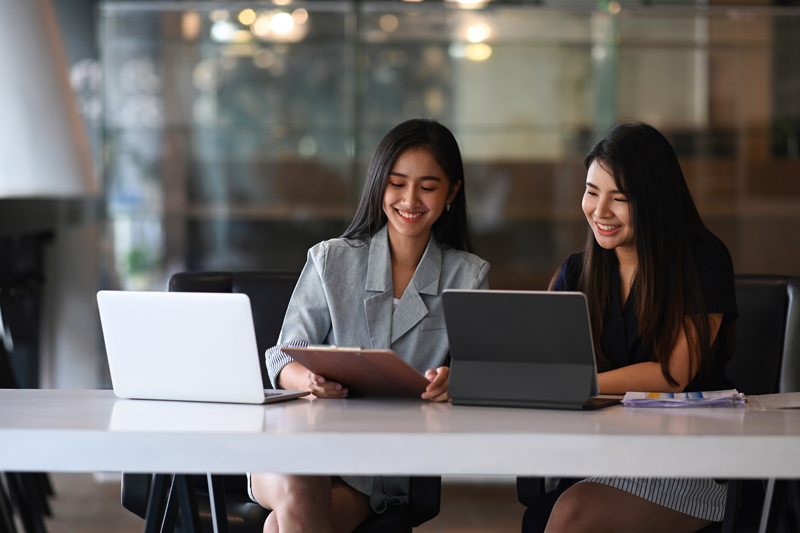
237, 134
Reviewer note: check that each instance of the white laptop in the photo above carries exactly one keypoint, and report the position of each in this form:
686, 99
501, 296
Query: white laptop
184, 346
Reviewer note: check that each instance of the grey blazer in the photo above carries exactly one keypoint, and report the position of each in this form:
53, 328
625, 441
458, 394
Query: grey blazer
344, 297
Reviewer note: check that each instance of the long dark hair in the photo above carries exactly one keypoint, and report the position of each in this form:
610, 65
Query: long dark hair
451, 227
666, 225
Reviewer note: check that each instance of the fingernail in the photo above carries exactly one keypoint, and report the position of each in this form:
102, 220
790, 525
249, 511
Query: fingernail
321, 379
338, 387
344, 392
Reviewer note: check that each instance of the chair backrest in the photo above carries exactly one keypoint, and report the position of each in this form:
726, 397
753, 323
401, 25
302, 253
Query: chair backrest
200, 282
790, 376
269, 294
764, 360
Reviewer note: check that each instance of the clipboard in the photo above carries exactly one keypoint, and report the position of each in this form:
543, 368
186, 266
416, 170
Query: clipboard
362, 372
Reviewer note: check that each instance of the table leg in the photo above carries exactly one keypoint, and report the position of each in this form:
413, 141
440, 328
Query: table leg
793, 505
156, 503
6, 511
37, 501
45, 482
216, 501
171, 513
36, 498
26, 502
44, 489
774, 501
732, 506
190, 518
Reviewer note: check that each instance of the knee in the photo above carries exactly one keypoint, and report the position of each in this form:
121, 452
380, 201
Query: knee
290, 494
271, 524
572, 514
306, 492
259, 487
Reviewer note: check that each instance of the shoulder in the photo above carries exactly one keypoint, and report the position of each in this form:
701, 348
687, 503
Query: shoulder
338, 247
574, 263
462, 260
715, 274
712, 256
569, 272
460, 257
463, 264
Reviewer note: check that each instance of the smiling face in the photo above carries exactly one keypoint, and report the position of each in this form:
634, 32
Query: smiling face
607, 210
416, 194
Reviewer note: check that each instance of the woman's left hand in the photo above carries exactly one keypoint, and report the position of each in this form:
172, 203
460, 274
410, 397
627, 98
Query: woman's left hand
437, 390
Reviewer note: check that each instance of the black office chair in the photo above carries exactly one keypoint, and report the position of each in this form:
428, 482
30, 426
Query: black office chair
766, 360
27, 493
269, 294
767, 355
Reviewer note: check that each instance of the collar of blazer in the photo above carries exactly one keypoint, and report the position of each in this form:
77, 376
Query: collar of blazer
411, 308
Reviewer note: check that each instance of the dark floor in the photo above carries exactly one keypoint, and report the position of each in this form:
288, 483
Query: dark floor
84, 505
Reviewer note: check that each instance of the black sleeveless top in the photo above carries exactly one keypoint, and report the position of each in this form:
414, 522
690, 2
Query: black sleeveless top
620, 340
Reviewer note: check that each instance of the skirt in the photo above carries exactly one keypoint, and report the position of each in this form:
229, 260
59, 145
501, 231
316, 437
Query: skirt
700, 498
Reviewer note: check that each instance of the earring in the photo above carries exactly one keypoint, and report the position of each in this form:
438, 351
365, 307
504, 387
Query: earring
448, 207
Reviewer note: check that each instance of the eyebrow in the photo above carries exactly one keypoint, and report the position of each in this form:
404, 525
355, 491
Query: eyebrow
595, 187
423, 178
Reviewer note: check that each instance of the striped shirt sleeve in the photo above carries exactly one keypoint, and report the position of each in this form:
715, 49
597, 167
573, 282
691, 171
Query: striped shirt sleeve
276, 359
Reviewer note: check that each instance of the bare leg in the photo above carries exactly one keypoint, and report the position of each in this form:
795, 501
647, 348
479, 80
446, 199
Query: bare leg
309, 503
348, 507
298, 503
598, 508
271, 524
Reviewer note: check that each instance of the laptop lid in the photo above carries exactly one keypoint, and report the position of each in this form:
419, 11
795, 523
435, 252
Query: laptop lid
181, 346
520, 348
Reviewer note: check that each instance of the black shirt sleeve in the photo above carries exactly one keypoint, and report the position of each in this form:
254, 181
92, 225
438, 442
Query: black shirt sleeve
715, 270
567, 279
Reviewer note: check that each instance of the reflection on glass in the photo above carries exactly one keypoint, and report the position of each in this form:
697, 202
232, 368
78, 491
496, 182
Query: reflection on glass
237, 139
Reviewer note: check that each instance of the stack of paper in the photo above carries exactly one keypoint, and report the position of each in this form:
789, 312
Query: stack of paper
720, 398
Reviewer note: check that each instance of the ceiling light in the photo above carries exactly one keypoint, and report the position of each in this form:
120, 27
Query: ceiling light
479, 52
282, 23
247, 17
478, 32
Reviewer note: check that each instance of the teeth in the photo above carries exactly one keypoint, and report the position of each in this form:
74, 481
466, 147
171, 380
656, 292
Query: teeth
409, 215
607, 228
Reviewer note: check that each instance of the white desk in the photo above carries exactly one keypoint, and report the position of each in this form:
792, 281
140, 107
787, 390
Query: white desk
86, 431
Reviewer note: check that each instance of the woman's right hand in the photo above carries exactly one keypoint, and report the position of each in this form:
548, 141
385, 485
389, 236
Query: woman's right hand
322, 388
295, 376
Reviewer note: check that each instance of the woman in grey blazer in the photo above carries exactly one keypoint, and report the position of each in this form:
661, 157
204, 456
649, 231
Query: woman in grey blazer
377, 286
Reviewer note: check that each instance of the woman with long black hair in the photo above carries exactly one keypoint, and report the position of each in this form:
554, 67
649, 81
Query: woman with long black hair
660, 290
378, 286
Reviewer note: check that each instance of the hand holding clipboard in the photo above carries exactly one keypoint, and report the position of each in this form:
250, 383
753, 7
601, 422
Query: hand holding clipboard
363, 372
